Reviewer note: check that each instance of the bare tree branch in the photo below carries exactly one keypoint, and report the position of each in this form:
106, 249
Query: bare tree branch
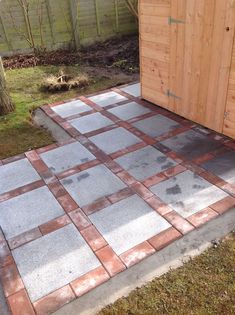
133, 7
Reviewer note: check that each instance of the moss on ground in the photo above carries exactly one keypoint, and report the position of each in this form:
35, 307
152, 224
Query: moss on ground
17, 132
203, 286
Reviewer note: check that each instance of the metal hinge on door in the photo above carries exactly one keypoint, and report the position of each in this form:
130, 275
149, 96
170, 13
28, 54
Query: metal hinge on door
226, 114
171, 20
170, 94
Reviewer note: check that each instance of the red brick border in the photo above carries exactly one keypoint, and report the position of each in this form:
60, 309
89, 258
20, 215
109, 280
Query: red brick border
224, 205
54, 225
24, 238
19, 303
55, 300
93, 238
21, 190
89, 281
111, 264
202, 217
164, 238
180, 224
137, 253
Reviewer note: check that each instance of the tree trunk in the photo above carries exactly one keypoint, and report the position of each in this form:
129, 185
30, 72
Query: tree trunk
6, 105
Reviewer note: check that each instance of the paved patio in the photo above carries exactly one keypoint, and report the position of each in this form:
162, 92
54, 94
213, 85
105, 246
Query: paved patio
132, 179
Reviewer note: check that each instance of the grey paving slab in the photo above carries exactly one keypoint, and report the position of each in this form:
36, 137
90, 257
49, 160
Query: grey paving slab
187, 193
92, 184
133, 89
71, 108
108, 98
91, 122
156, 126
27, 211
129, 110
145, 162
128, 223
53, 261
67, 156
223, 166
191, 144
114, 140
17, 174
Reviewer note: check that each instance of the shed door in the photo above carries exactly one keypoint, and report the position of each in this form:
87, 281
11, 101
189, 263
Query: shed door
201, 42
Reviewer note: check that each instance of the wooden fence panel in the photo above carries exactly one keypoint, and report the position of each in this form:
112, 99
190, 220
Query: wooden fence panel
61, 23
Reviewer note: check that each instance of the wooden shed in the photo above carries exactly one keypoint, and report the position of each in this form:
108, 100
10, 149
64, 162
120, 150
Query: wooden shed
187, 52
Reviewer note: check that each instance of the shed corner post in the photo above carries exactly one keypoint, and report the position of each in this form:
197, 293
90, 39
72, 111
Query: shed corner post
140, 46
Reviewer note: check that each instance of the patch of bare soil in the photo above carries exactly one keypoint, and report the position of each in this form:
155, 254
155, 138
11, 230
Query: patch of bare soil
121, 53
121, 76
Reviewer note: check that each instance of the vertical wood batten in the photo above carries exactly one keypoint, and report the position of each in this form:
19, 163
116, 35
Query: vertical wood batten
217, 41
140, 5
75, 26
181, 13
226, 61
229, 120
97, 18
173, 51
209, 15
197, 51
49, 14
116, 15
187, 70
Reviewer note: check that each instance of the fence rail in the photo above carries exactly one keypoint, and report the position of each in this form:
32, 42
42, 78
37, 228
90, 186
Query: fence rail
53, 24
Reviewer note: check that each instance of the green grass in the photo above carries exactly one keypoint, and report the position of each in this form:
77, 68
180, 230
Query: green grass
17, 133
203, 286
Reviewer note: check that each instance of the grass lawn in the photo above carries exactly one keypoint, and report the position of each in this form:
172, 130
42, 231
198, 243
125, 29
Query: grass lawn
205, 285
17, 132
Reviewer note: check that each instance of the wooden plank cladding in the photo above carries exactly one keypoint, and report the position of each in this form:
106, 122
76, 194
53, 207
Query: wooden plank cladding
187, 52
155, 49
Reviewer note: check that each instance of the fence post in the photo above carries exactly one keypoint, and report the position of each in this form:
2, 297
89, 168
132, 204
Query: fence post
97, 18
74, 17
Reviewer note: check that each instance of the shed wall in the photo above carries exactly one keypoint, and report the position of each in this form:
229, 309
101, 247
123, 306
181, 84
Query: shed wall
155, 50
186, 52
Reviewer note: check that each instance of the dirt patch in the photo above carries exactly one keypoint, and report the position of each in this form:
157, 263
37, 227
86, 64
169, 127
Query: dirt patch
64, 82
122, 77
121, 53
